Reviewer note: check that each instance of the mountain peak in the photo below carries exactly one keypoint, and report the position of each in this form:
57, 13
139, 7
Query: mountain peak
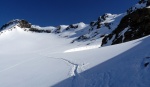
141, 4
20, 22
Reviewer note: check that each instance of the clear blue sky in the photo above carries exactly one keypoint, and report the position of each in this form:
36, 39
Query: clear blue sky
56, 12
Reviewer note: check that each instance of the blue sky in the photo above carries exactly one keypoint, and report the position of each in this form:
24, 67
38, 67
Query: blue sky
56, 12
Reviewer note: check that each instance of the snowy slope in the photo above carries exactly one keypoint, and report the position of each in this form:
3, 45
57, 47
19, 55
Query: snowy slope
122, 65
72, 56
44, 60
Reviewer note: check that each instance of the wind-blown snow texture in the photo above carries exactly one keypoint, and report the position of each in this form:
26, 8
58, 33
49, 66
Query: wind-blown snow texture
72, 56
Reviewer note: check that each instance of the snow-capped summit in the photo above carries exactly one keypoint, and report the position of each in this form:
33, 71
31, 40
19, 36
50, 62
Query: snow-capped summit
21, 23
79, 32
9, 24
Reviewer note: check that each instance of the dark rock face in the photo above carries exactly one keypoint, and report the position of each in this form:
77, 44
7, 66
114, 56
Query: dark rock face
98, 23
137, 25
141, 3
148, 3
58, 30
72, 27
39, 31
24, 24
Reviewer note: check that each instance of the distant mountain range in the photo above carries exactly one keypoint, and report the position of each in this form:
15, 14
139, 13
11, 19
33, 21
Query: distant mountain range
111, 28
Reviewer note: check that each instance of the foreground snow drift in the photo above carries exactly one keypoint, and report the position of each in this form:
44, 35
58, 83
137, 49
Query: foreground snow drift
38, 60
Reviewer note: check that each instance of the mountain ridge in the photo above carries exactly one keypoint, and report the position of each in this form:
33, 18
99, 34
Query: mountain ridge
132, 26
103, 28
79, 31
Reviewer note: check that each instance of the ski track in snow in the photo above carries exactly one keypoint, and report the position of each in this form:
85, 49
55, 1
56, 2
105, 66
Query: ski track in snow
74, 68
76, 77
74, 71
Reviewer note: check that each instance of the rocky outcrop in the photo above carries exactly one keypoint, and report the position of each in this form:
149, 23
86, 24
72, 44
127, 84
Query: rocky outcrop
100, 22
24, 24
72, 27
104, 25
39, 30
141, 4
131, 27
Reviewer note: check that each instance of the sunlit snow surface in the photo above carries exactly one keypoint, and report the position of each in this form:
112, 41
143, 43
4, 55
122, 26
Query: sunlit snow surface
82, 48
46, 60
